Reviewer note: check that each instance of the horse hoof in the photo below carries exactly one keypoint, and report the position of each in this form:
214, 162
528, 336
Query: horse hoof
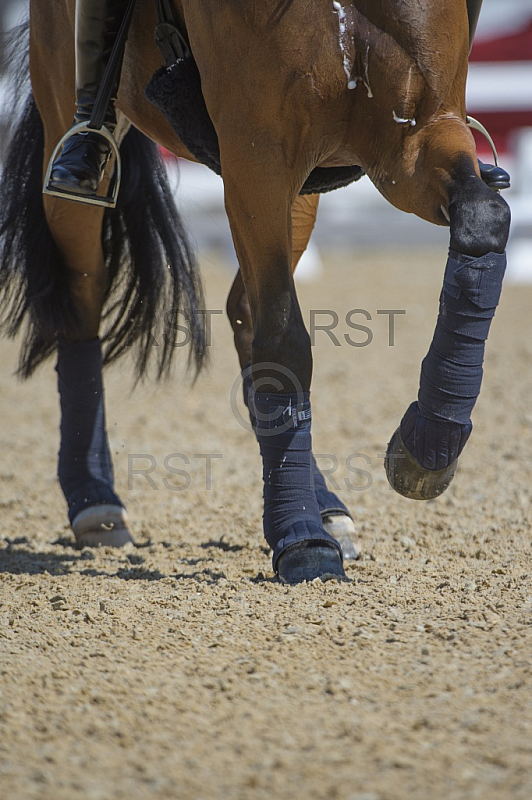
306, 561
102, 526
342, 528
409, 478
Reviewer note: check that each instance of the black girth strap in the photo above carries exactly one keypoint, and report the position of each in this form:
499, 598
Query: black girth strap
170, 41
112, 71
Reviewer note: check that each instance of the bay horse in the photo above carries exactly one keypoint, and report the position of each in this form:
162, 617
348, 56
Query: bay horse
290, 86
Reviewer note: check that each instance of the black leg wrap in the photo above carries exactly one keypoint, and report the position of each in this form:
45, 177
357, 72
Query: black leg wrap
435, 444
329, 504
422, 455
308, 560
302, 549
85, 468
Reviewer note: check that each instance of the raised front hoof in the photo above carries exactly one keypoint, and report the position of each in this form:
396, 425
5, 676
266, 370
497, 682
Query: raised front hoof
306, 561
102, 526
409, 478
342, 528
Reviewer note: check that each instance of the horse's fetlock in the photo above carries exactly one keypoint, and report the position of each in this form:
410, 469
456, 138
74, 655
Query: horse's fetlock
285, 356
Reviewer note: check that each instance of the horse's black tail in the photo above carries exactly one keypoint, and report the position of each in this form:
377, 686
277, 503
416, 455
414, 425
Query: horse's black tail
153, 272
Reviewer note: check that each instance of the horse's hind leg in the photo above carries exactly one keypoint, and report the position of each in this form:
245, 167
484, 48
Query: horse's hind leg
335, 516
422, 455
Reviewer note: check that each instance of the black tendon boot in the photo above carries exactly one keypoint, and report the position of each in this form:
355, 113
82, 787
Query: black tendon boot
79, 168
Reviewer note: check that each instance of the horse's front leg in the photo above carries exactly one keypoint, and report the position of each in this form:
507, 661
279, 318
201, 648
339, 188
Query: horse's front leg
303, 218
423, 453
259, 209
335, 515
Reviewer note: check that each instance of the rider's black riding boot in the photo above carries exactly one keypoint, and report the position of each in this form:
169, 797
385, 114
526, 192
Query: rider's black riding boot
473, 12
80, 166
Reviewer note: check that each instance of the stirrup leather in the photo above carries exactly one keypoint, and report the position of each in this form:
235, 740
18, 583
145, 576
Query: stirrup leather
109, 200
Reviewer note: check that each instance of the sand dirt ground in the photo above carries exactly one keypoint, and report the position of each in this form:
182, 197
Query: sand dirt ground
182, 669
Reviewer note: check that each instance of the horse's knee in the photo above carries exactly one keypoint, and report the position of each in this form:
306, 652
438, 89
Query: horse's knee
273, 340
480, 220
281, 344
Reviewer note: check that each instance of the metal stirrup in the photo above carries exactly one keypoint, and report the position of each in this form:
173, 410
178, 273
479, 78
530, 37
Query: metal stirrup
478, 126
95, 124
109, 200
